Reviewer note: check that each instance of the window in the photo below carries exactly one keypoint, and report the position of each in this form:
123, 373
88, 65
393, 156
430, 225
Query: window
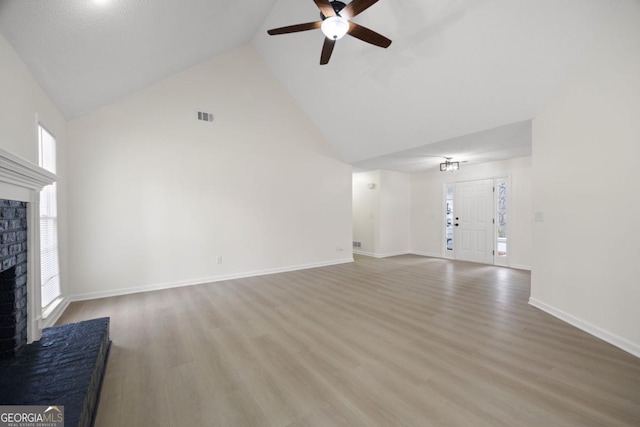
501, 223
49, 265
449, 219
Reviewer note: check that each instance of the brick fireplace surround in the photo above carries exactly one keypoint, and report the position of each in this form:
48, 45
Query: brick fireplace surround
20, 301
62, 365
13, 277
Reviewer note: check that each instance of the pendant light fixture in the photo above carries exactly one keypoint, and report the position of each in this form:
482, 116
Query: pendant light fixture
449, 166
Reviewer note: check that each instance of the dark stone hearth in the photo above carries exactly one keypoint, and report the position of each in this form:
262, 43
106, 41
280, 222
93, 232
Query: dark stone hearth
13, 277
65, 367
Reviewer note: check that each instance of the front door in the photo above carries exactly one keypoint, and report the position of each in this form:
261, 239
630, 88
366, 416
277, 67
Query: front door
473, 221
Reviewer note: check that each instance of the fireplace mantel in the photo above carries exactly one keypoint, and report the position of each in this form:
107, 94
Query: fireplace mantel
19, 172
22, 180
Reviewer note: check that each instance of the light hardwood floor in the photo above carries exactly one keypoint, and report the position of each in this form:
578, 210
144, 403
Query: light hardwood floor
402, 341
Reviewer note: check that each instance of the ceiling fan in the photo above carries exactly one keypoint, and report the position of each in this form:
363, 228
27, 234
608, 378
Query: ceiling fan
336, 23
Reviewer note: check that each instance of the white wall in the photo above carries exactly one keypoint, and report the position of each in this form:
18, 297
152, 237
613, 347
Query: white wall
21, 98
381, 214
157, 196
427, 206
586, 183
22, 104
395, 202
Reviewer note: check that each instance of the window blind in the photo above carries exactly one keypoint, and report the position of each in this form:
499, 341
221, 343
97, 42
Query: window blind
49, 264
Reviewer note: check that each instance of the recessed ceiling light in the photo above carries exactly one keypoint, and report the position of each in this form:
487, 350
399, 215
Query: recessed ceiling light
102, 2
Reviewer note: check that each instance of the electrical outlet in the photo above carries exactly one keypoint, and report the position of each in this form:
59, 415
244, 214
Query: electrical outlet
219, 260
339, 248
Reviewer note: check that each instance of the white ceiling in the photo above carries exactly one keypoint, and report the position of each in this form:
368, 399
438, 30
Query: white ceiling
461, 78
88, 53
501, 143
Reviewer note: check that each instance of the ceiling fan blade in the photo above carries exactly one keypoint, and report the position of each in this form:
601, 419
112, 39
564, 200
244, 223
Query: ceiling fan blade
367, 35
295, 28
356, 7
327, 48
325, 8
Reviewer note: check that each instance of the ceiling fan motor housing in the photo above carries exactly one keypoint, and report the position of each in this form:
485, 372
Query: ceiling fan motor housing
337, 6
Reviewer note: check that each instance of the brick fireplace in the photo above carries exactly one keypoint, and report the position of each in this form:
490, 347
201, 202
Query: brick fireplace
60, 365
13, 277
20, 307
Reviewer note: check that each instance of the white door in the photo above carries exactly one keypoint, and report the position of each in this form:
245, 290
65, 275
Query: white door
473, 221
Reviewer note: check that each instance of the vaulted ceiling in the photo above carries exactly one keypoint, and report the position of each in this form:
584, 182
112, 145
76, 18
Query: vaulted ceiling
461, 76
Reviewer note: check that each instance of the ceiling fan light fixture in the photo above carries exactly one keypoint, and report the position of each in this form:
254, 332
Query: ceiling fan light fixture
335, 27
335, 23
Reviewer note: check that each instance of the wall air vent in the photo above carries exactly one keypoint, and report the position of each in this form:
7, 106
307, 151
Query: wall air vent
204, 116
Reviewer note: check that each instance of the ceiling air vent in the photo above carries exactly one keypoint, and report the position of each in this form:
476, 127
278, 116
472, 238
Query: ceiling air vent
204, 116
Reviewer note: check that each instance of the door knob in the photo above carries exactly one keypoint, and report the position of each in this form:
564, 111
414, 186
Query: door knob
455, 225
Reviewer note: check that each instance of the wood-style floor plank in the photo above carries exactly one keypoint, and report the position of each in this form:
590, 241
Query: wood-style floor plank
401, 341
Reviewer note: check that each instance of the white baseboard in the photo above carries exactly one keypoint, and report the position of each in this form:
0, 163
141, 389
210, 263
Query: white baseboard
365, 253
54, 315
521, 267
429, 254
200, 281
612, 339
382, 255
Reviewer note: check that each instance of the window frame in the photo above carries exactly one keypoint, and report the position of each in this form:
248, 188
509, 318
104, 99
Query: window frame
49, 250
